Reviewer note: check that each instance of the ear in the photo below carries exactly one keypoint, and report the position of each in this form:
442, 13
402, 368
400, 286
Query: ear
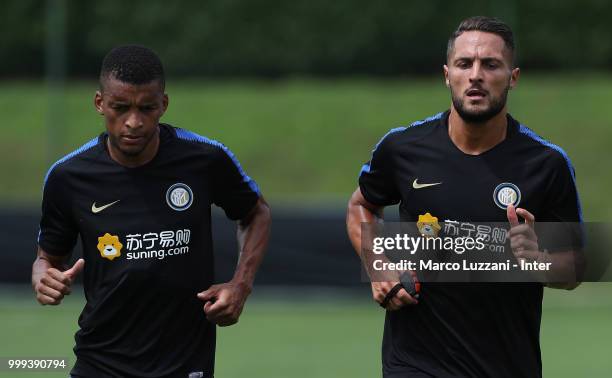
446, 81
98, 101
514, 76
165, 102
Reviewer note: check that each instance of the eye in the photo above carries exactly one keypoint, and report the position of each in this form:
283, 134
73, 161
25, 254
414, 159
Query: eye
463, 64
491, 64
119, 107
148, 108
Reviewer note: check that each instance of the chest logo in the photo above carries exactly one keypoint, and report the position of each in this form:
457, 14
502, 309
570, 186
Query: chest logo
428, 225
417, 185
506, 194
109, 246
179, 197
96, 210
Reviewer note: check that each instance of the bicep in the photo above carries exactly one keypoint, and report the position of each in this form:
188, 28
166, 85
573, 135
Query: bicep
377, 178
563, 228
58, 229
259, 211
234, 191
362, 210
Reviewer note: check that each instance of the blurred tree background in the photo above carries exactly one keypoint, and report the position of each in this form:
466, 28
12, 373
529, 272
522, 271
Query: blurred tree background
271, 38
301, 80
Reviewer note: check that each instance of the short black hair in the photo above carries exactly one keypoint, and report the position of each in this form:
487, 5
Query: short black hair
132, 64
485, 24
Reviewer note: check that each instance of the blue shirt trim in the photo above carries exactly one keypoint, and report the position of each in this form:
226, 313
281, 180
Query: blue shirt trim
366, 167
74, 153
531, 134
193, 137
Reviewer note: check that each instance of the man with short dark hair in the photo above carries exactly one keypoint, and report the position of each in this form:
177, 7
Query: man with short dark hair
139, 196
472, 163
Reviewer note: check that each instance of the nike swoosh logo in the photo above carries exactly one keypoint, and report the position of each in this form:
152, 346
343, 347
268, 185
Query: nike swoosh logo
96, 210
416, 185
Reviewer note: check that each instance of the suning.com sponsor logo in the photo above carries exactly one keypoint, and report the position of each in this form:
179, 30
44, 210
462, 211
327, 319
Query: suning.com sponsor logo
150, 245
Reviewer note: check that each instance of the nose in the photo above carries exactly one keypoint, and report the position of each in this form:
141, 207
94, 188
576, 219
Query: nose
476, 72
134, 120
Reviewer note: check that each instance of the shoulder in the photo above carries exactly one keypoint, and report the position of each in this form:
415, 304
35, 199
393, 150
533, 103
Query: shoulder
555, 157
204, 144
71, 160
411, 133
224, 159
190, 139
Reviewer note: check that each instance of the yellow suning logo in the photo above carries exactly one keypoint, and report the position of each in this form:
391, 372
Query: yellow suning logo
109, 246
428, 225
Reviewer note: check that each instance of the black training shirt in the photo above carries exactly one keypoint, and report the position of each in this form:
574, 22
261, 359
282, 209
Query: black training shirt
468, 329
147, 245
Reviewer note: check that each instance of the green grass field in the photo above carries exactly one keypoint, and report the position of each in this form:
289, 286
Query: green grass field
305, 139
321, 334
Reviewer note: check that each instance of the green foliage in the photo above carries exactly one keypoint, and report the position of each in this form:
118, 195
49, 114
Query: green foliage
316, 37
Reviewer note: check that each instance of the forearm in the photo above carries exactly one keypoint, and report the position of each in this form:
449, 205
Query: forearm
561, 269
558, 270
43, 262
359, 212
566, 269
253, 236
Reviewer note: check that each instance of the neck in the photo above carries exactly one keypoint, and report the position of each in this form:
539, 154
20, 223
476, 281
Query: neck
133, 161
476, 138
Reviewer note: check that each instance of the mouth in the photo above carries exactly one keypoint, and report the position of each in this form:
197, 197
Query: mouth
131, 139
476, 93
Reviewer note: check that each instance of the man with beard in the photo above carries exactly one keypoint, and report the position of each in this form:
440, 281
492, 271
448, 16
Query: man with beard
139, 195
472, 163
